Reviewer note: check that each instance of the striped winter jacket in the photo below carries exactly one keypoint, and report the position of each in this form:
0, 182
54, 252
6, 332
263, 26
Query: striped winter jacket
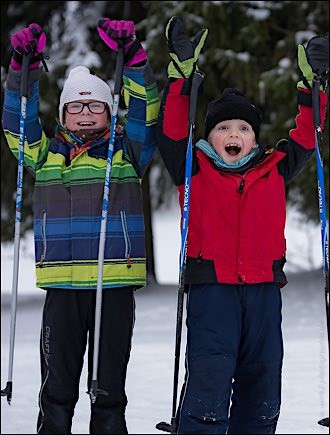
68, 195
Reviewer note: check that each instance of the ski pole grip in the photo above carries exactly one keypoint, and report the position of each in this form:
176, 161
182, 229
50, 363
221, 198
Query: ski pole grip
197, 80
119, 67
25, 74
316, 102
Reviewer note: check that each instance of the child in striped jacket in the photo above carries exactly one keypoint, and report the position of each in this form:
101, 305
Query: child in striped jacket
69, 172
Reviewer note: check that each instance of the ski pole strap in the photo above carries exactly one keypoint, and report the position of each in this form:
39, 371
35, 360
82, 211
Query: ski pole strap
25, 74
119, 67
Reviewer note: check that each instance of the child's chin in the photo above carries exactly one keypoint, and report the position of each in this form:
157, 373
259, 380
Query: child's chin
231, 159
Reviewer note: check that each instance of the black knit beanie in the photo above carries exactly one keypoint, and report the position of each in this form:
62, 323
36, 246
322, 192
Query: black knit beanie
232, 105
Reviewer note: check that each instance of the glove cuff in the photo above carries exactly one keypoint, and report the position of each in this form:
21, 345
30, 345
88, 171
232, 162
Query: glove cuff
135, 54
17, 66
304, 84
183, 70
17, 60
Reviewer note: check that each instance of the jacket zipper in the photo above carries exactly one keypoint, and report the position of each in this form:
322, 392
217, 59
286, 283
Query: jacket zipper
240, 191
241, 186
43, 236
126, 238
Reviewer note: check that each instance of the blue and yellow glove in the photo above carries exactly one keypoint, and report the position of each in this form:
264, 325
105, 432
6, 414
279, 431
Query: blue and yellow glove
314, 61
183, 51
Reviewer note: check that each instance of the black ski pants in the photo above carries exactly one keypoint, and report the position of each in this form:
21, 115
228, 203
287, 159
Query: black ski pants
233, 360
67, 327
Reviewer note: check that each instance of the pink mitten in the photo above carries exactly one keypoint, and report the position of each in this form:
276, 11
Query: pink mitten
30, 39
115, 32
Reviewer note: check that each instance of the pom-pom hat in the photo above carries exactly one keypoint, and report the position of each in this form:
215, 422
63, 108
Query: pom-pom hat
82, 85
232, 105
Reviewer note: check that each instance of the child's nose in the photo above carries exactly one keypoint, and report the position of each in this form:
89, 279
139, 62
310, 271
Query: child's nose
233, 133
85, 109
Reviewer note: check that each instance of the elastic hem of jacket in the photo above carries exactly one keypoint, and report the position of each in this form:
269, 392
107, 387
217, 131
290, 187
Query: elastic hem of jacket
200, 271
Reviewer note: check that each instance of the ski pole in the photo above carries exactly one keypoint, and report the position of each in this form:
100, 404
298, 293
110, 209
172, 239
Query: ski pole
94, 390
197, 79
18, 214
322, 203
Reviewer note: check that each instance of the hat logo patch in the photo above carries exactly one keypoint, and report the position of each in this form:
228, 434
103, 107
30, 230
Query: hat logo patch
85, 93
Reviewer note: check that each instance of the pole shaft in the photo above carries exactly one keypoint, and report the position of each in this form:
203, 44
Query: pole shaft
105, 206
196, 82
104, 216
322, 204
321, 190
18, 216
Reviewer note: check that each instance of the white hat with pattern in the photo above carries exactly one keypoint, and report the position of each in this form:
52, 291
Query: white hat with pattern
82, 85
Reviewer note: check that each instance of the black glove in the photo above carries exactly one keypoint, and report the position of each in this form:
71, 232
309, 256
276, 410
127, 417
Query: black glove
314, 61
183, 51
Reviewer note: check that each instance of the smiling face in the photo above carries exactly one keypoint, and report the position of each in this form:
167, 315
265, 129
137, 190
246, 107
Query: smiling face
85, 119
232, 139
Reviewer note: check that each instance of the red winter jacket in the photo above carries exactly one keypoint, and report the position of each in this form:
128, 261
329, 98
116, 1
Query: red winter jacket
237, 219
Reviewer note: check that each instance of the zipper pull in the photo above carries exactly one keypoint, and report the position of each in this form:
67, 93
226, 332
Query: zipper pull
241, 186
129, 262
41, 261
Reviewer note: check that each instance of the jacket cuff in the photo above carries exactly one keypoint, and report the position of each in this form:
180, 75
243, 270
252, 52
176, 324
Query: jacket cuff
304, 97
14, 78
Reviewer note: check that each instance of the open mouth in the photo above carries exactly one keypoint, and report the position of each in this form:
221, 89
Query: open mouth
86, 123
233, 149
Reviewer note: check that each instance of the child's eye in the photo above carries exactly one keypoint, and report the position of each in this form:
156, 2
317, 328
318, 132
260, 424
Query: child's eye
95, 105
222, 127
244, 128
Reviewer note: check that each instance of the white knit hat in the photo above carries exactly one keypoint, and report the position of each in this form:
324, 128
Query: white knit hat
82, 85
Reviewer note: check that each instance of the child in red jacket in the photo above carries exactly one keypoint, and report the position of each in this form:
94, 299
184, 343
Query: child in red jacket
236, 245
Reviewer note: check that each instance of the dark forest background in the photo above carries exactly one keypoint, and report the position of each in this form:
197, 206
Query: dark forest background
251, 45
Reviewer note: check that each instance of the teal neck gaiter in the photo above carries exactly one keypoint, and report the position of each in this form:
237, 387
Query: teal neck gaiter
208, 149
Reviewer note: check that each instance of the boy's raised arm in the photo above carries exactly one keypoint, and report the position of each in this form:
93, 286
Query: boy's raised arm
173, 121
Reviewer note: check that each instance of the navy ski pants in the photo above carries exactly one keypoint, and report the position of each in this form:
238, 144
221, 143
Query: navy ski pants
67, 327
233, 360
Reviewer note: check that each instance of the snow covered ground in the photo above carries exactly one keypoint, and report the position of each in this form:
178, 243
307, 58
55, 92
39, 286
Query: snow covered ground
150, 371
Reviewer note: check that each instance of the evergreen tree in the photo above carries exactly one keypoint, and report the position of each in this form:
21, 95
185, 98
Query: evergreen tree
251, 45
